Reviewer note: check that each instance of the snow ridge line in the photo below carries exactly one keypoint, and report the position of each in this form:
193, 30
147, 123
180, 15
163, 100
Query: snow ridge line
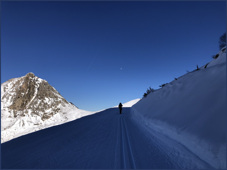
130, 146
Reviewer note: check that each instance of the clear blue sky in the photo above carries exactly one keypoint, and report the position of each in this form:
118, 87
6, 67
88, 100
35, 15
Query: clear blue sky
97, 54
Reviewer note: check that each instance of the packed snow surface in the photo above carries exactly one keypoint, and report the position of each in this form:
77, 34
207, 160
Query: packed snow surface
105, 140
191, 110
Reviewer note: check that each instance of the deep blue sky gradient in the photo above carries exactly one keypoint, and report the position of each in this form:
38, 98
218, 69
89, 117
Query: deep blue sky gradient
97, 54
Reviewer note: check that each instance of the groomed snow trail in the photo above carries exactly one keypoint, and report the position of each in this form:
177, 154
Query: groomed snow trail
106, 140
123, 147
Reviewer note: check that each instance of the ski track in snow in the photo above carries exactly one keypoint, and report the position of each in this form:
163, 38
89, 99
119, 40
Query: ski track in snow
127, 146
105, 140
123, 147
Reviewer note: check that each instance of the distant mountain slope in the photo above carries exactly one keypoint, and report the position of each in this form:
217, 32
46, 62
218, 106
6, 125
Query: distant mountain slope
29, 104
191, 110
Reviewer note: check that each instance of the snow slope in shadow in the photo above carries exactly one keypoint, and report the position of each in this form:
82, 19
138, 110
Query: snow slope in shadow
191, 110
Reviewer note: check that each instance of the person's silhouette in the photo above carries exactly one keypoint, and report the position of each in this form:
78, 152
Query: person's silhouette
120, 107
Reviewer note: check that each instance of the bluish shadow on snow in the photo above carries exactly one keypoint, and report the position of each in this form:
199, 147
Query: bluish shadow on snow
105, 140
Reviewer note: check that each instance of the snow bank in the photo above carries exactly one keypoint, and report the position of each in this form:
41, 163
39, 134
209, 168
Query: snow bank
221, 58
191, 110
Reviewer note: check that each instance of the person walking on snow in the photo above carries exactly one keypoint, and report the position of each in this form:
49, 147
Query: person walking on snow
120, 107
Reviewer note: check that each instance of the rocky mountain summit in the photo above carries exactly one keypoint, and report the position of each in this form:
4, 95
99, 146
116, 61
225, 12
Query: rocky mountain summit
30, 93
30, 103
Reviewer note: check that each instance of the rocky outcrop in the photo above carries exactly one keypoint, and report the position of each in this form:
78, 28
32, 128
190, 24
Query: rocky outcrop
29, 104
33, 94
24, 92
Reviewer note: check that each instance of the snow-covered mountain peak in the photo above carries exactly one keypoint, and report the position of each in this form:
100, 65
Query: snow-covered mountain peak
32, 75
31, 94
30, 103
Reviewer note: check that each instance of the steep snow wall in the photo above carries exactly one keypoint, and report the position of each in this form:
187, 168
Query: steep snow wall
191, 110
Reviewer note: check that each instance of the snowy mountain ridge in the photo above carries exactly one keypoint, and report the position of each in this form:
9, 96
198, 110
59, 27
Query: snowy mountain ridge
29, 104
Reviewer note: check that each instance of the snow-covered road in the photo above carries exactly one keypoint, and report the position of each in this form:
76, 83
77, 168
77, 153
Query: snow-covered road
103, 140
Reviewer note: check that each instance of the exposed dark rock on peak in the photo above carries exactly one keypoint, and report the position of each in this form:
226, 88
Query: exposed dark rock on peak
32, 75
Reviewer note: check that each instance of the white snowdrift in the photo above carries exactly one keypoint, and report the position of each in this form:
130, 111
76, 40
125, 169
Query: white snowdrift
191, 110
130, 103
